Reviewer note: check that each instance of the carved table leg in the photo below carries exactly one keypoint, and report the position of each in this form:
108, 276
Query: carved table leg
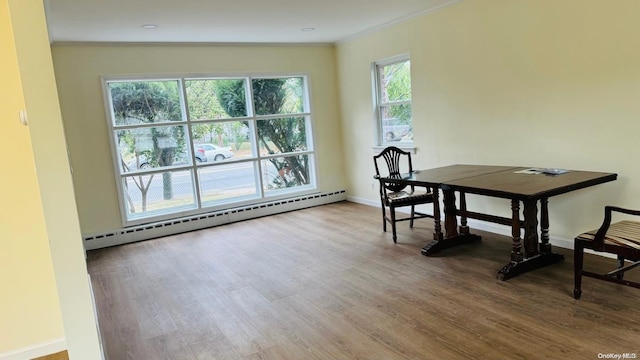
516, 247
530, 228
437, 234
545, 246
451, 238
532, 259
464, 228
450, 219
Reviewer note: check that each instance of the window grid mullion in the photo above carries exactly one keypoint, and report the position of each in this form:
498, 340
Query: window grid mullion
388, 129
191, 167
256, 139
194, 168
392, 103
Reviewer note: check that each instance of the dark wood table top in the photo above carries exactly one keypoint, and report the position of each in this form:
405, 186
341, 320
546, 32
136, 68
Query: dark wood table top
511, 182
519, 184
446, 174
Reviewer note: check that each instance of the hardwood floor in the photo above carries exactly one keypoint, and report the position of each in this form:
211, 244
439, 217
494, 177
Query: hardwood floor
327, 283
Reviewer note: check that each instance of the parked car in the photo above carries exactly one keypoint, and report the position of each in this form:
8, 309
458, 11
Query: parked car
395, 130
144, 164
215, 152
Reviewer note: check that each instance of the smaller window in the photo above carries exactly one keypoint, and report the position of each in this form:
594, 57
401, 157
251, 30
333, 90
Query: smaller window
392, 82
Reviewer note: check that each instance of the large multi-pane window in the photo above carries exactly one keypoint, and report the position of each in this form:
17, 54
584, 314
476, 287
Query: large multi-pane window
186, 145
392, 83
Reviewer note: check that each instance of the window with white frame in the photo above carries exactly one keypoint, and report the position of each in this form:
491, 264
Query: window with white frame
392, 83
187, 145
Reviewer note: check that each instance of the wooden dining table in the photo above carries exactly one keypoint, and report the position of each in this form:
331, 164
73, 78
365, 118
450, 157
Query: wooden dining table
525, 187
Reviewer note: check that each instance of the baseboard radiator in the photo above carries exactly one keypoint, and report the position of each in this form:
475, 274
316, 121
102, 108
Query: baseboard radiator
201, 221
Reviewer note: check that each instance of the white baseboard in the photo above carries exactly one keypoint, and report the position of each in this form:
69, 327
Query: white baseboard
377, 204
206, 220
555, 241
36, 350
506, 231
363, 201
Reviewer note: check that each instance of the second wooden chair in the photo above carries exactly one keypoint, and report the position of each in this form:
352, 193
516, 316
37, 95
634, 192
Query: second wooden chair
621, 239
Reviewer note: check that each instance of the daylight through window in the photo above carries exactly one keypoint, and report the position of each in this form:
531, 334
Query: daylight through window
393, 101
186, 145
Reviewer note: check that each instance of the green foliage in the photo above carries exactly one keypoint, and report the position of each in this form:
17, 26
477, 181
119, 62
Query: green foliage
211, 102
201, 131
286, 135
231, 96
202, 101
239, 131
150, 102
145, 101
206, 104
269, 95
396, 81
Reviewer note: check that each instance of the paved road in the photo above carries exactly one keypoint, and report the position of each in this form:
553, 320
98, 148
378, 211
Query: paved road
213, 178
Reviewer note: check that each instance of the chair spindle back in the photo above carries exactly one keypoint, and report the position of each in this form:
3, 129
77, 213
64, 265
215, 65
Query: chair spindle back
393, 159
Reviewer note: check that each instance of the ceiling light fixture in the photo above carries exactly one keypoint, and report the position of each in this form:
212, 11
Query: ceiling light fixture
307, 29
149, 26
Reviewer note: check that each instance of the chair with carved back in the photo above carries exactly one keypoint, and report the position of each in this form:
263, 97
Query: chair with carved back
391, 163
621, 239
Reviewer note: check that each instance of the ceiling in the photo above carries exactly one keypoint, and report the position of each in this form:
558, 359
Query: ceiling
226, 21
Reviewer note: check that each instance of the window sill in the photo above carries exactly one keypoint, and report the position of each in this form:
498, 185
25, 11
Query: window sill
405, 147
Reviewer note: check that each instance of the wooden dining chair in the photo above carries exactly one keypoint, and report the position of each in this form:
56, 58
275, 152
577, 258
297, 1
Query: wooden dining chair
621, 239
392, 162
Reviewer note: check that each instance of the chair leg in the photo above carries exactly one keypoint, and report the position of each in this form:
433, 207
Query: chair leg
578, 261
620, 266
413, 213
384, 218
393, 224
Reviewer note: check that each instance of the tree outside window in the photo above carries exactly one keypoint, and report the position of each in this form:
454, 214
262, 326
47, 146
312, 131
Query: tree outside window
189, 144
393, 100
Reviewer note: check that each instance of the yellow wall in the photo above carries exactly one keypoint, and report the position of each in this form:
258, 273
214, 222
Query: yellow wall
530, 83
78, 69
29, 307
537, 83
494, 82
56, 191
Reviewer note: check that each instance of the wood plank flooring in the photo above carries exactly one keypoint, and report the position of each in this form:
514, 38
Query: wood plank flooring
327, 283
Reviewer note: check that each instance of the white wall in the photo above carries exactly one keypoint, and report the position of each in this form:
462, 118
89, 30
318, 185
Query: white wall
525, 83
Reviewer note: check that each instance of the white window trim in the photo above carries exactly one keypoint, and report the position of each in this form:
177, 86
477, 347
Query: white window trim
273, 196
378, 148
379, 143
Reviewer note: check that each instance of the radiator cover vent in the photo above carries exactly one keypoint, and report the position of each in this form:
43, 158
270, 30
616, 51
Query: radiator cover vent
201, 221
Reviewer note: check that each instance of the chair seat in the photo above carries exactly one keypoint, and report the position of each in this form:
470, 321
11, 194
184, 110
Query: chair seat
624, 233
401, 198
